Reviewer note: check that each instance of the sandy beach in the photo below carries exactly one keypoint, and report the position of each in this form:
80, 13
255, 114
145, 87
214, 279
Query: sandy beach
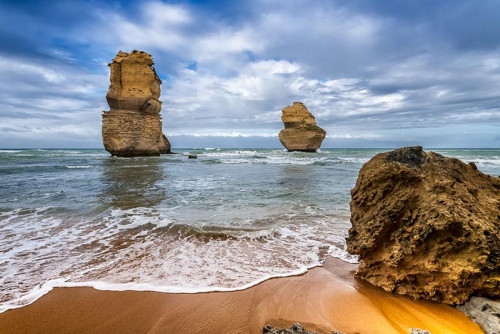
324, 299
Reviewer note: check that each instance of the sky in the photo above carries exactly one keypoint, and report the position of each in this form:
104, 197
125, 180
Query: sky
375, 73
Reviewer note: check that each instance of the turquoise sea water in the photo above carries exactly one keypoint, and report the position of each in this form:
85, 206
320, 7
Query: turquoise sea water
225, 221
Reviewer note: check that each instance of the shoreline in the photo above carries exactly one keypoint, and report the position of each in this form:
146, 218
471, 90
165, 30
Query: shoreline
325, 298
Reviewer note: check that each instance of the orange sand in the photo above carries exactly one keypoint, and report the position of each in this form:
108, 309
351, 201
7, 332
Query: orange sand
326, 298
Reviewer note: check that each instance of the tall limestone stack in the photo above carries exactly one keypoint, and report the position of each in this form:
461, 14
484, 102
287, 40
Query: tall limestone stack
301, 132
426, 226
133, 125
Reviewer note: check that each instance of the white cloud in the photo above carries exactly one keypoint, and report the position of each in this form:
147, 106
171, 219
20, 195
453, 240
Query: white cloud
155, 25
13, 67
368, 136
137, 36
224, 42
21, 75
359, 72
45, 101
160, 14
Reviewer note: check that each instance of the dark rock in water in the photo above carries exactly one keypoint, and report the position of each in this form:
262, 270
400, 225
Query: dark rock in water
413, 156
426, 226
295, 329
485, 312
132, 126
192, 156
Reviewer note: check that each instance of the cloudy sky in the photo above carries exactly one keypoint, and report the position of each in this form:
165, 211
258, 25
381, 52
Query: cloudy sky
382, 73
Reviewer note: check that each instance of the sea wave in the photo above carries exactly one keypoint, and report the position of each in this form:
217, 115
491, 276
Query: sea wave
79, 167
10, 151
144, 249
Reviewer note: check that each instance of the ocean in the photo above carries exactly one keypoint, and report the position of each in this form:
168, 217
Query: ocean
225, 221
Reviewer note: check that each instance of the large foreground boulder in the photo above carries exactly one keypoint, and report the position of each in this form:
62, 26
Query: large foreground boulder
301, 132
426, 226
133, 125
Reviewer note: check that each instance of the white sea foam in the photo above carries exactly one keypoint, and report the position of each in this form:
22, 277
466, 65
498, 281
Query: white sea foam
25, 155
488, 161
354, 160
79, 167
41, 290
268, 157
143, 249
344, 255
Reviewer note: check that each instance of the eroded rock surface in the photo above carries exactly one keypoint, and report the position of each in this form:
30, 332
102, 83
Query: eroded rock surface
301, 132
426, 226
133, 125
297, 328
419, 331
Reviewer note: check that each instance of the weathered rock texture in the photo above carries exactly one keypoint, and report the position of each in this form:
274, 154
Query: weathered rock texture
301, 132
484, 312
419, 331
426, 226
133, 125
297, 328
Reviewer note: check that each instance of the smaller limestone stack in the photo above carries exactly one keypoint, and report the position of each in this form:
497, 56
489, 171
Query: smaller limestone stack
426, 226
133, 125
301, 132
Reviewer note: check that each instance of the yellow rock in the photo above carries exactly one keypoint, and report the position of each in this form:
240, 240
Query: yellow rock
301, 132
426, 226
132, 126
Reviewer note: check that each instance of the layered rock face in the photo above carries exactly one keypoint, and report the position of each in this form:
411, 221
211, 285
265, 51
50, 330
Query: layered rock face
426, 226
301, 132
133, 125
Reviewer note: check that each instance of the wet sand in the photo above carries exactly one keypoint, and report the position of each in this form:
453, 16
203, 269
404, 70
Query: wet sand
324, 299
